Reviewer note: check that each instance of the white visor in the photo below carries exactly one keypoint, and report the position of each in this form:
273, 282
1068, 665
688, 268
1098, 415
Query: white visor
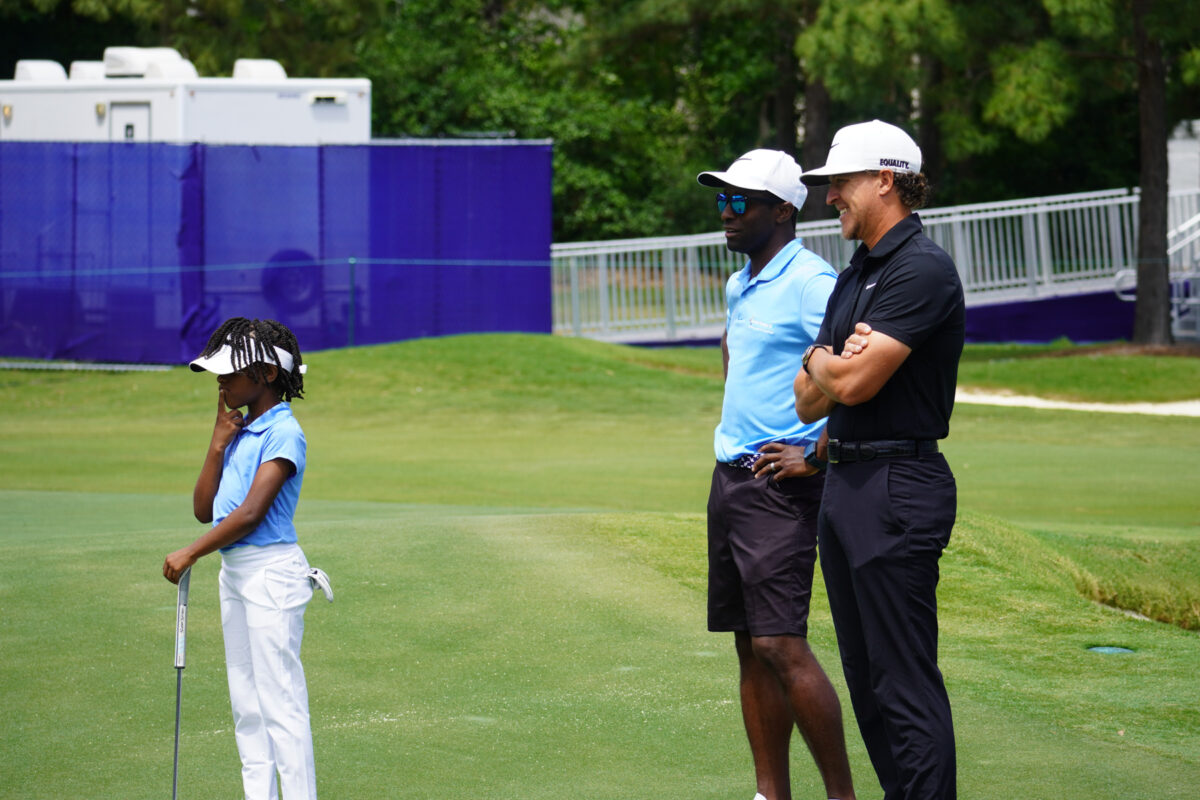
221, 362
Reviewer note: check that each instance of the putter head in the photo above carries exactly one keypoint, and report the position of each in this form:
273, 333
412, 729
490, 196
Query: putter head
320, 580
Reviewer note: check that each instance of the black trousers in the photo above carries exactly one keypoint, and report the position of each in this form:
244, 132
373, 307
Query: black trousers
882, 528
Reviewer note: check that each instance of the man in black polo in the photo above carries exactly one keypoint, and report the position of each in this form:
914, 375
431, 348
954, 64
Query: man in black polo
883, 369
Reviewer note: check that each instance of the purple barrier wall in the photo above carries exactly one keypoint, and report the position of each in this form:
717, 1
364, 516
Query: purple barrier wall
1100, 317
135, 252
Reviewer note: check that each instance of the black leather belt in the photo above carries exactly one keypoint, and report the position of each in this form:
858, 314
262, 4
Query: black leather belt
841, 452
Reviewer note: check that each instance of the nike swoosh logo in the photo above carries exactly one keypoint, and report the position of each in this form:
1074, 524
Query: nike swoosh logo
869, 286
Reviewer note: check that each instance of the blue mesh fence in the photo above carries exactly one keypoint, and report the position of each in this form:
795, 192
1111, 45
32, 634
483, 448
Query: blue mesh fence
135, 252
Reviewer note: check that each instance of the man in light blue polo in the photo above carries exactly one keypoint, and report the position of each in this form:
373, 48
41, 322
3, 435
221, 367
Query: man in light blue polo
767, 483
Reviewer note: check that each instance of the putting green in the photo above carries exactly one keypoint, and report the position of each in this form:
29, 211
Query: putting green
475, 653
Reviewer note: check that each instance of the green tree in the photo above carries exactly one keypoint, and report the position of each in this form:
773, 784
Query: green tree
311, 38
50, 29
1147, 48
638, 96
887, 59
929, 66
487, 68
721, 78
1032, 96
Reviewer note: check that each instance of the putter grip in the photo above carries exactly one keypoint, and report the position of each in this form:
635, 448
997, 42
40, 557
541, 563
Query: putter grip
181, 620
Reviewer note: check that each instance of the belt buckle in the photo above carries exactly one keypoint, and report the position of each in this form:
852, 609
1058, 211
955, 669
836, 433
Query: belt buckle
833, 453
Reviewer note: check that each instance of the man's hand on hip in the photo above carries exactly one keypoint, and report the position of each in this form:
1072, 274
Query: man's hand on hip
780, 461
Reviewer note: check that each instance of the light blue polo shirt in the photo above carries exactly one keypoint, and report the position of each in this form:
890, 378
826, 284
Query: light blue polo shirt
276, 434
770, 321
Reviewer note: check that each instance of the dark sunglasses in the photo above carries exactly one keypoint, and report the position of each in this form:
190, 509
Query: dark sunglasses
738, 202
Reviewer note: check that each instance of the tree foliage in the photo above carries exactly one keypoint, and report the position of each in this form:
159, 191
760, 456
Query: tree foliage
312, 38
1068, 90
638, 96
1137, 50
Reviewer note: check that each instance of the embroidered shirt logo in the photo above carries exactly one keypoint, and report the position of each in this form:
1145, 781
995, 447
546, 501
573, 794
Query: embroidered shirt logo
761, 326
869, 286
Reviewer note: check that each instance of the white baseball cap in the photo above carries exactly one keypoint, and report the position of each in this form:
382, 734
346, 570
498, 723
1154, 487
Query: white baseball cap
221, 362
771, 171
867, 146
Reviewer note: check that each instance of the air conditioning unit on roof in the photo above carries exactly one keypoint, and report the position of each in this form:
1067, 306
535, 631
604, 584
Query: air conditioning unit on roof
181, 70
258, 69
134, 62
86, 71
39, 70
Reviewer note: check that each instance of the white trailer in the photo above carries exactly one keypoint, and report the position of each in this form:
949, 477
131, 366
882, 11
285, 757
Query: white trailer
155, 95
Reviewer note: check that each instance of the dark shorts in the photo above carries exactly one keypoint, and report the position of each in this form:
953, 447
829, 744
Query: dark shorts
762, 545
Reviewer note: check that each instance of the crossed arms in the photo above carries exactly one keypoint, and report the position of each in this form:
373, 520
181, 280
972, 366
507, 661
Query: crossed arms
868, 359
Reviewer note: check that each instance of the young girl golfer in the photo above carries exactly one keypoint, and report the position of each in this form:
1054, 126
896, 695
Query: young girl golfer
248, 488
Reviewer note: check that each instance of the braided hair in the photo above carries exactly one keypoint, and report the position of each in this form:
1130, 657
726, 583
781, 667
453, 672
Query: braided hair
253, 342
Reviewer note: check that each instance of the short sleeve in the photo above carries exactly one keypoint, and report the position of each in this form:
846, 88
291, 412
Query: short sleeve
824, 336
729, 298
287, 442
814, 302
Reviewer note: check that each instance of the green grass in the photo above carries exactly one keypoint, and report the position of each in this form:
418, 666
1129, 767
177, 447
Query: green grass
1065, 372
514, 526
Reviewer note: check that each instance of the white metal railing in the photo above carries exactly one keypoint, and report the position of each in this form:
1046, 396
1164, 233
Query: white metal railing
671, 287
1183, 254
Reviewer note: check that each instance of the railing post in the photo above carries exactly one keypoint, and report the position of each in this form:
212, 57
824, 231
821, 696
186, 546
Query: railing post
961, 254
1045, 254
668, 270
576, 312
602, 288
1029, 229
693, 272
1116, 244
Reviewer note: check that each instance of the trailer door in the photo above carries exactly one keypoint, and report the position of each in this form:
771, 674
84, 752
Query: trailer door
129, 122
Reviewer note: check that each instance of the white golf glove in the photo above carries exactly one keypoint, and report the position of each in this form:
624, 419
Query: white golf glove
320, 580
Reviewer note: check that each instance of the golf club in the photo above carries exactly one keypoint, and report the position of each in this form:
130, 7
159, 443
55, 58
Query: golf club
180, 663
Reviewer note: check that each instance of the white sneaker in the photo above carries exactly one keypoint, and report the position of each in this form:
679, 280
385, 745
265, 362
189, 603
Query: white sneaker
320, 580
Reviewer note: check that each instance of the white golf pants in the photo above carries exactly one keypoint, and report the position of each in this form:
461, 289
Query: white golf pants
264, 591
